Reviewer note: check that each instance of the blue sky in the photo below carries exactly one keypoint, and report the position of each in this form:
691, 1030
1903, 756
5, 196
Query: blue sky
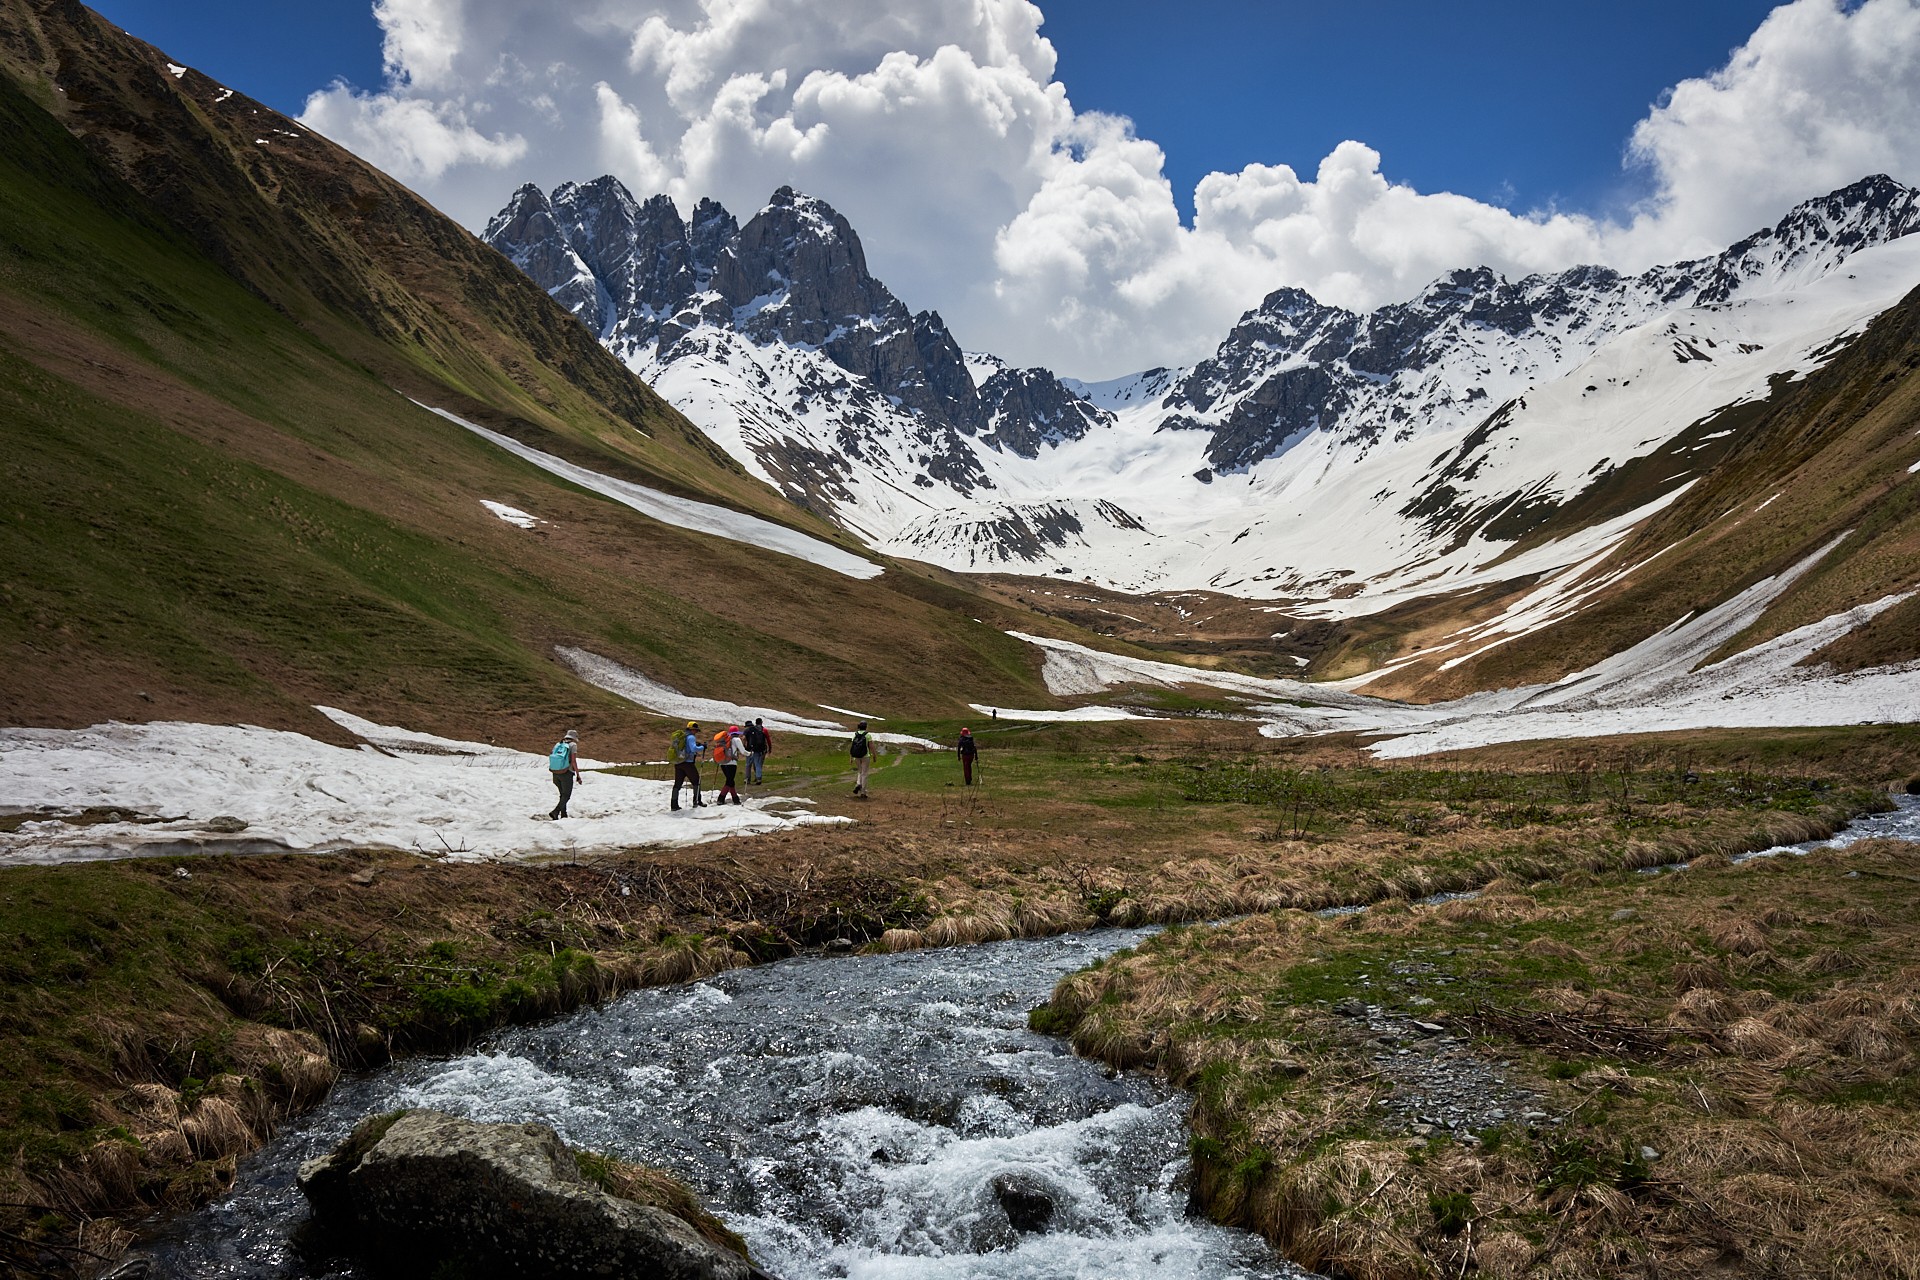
1518, 104
1525, 105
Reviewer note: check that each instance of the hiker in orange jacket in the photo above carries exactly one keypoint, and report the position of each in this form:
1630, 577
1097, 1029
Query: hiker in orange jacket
726, 754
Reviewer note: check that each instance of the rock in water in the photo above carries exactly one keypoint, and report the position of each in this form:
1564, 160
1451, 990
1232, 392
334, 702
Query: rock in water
425, 1191
1028, 1206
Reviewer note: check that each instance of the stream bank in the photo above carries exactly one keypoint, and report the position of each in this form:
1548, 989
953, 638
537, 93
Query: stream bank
873, 1116
171, 1014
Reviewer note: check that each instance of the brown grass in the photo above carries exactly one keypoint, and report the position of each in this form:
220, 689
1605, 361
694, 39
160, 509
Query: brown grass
1780, 1100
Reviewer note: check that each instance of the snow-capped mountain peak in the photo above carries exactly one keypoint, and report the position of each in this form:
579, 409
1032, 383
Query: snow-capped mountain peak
1318, 453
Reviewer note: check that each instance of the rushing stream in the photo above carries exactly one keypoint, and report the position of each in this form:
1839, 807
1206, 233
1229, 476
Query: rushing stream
849, 1116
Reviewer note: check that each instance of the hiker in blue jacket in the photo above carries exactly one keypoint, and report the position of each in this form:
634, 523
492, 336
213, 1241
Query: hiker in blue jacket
686, 766
564, 762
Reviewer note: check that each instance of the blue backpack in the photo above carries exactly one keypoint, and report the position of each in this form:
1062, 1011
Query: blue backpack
560, 758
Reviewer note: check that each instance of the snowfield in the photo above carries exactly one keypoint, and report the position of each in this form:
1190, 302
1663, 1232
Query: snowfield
440, 797
1655, 686
683, 513
644, 691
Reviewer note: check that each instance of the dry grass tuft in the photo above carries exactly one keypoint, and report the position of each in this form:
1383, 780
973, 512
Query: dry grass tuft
1692, 975
216, 1129
958, 930
1553, 948
1034, 918
1702, 1008
897, 940
295, 1060
1504, 1255
1744, 937
1859, 917
1756, 1041
684, 958
1828, 961
1566, 999
1866, 1040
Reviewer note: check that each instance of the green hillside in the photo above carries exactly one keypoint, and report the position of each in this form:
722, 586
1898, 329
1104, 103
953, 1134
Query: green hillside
217, 504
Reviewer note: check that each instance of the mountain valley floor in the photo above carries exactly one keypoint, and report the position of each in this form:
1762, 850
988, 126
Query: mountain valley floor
165, 1013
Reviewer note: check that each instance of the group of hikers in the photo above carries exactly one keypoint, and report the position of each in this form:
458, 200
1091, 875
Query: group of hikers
730, 747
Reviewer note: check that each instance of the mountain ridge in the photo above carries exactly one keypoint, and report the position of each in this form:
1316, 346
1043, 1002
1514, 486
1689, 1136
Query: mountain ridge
1300, 399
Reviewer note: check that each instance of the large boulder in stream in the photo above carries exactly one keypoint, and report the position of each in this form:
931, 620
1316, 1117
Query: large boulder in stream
422, 1192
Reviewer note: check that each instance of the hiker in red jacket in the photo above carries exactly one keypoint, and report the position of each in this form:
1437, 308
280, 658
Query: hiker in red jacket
967, 750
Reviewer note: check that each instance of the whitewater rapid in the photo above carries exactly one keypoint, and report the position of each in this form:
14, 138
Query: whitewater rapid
849, 1116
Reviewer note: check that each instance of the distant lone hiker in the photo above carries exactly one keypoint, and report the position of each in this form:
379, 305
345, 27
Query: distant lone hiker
859, 751
967, 749
686, 769
564, 761
726, 754
759, 747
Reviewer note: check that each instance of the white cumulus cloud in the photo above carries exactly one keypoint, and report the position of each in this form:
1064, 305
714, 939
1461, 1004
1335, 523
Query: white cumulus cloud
1042, 233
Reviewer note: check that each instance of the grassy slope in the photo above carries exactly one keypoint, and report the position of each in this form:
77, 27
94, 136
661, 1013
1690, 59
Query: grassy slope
350, 255
210, 505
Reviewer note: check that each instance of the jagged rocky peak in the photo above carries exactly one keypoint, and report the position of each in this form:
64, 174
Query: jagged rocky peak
796, 271
529, 234
1030, 408
711, 230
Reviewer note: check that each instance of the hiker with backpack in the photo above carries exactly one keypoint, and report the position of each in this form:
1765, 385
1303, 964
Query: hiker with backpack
726, 754
685, 754
759, 744
860, 753
564, 763
967, 750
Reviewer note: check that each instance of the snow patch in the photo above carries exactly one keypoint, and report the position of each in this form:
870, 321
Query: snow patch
665, 700
512, 515
683, 513
441, 797
855, 715
1088, 714
175, 70
1654, 686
